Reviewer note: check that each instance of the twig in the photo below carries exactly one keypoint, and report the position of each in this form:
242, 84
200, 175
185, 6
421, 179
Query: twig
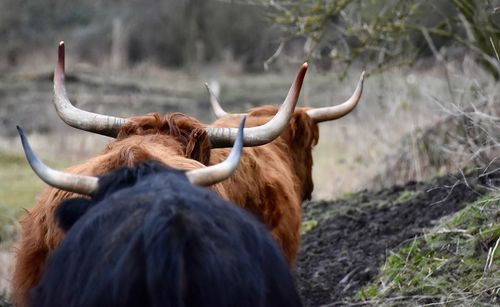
494, 49
493, 254
274, 56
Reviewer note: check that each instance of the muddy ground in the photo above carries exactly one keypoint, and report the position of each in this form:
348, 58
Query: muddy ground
353, 236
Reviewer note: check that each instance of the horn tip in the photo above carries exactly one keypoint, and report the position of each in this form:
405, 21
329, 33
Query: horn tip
60, 56
302, 73
238, 143
61, 48
242, 123
303, 70
20, 130
24, 141
361, 79
240, 137
304, 67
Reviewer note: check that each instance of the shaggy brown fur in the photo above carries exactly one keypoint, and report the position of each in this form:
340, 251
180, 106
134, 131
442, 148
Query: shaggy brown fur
176, 140
272, 180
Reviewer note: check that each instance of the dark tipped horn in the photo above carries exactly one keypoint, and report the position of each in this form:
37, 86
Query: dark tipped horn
86, 185
80, 119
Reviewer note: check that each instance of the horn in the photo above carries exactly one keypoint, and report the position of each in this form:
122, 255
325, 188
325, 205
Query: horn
86, 185
214, 101
219, 172
213, 93
330, 113
80, 119
255, 136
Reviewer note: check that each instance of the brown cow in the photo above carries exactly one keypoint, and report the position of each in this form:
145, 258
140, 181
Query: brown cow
175, 140
274, 179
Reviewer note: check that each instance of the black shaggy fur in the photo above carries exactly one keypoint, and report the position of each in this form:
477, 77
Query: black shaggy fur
150, 238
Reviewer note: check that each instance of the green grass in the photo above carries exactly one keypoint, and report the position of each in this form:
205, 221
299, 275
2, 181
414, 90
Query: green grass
307, 226
458, 262
18, 190
405, 196
20, 185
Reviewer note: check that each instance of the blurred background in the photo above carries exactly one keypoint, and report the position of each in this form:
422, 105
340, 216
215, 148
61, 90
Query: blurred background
430, 104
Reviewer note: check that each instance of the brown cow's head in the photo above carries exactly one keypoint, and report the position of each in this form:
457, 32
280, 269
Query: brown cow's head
175, 140
301, 134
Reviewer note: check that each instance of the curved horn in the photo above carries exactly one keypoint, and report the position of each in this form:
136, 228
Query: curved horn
92, 122
216, 173
214, 101
255, 136
86, 185
213, 93
335, 112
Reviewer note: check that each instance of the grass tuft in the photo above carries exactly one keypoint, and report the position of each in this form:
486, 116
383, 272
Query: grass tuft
307, 226
456, 262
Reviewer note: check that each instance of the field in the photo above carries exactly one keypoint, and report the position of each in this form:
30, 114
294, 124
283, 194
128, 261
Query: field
355, 244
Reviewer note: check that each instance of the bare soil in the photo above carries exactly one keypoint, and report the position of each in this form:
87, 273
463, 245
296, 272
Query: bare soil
353, 236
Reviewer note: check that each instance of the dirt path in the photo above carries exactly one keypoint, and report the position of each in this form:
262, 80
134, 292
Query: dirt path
352, 238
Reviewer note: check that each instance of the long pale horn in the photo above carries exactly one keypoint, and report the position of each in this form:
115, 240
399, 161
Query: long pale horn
80, 119
335, 112
255, 136
216, 173
86, 185
213, 93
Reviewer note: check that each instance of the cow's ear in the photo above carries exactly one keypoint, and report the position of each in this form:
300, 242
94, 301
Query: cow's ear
69, 211
305, 133
198, 146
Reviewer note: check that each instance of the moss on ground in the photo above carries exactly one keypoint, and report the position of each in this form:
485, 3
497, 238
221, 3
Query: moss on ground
457, 262
307, 226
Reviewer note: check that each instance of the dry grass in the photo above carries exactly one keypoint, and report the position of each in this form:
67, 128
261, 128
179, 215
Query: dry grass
397, 104
353, 150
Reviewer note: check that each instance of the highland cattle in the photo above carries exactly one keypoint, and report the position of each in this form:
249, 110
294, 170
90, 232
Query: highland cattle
274, 179
175, 140
148, 237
